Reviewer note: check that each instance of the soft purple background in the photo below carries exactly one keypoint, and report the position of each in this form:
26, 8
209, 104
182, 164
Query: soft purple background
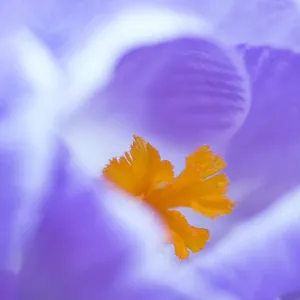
78, 79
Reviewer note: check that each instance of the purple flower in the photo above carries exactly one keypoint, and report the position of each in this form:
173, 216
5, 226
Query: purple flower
63, 237
192, 92
262, 151
78, 241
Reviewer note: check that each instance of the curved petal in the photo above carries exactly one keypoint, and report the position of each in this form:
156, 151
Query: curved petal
186, 90
87, 246
260, 260
267, 147
73, 254
263, 157
22, 159
91, 66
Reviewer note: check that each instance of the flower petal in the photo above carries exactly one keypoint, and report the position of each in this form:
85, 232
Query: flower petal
89, 248
190, 90
76, 252
8, 282
27, 118
266, 150
264, 250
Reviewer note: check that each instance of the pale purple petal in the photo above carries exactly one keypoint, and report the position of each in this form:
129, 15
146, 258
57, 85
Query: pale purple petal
8, 283
266, 151
263, 158
78, 244
260, 259
24, 147
15, 147
165, 92
267, 147
86, 248
186, 90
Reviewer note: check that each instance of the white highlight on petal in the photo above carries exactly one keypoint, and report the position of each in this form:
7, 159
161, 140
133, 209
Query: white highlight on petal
89, 68
265, 250
31, 116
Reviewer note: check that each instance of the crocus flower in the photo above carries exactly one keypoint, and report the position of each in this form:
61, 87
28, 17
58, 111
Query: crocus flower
143, 174
256, 150
284, 251
78, 243
194, 91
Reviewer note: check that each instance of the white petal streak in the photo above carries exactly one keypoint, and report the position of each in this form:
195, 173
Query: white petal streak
264, 251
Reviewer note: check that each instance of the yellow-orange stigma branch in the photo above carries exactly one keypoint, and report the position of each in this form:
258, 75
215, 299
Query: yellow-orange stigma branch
201, 186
